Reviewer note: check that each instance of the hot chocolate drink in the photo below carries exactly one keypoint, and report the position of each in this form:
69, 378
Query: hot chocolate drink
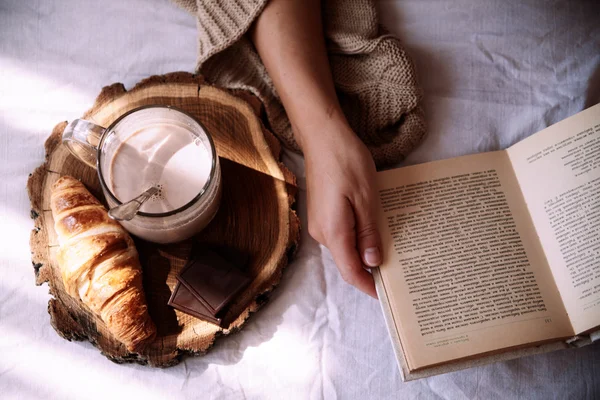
154, 146
165, 155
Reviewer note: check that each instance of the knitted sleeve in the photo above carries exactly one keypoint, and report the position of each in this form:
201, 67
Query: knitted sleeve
221, 23
374, 77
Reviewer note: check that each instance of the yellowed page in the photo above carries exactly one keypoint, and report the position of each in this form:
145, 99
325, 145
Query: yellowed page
558, 170
463, 268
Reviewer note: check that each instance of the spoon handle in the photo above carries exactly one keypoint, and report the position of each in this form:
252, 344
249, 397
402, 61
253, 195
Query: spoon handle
127, 211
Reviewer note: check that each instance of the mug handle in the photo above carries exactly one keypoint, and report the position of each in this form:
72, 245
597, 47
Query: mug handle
82, 138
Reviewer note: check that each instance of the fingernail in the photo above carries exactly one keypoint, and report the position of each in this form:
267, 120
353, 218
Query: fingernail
372, 257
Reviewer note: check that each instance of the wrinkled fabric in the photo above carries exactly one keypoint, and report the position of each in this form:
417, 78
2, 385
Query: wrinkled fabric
493, 73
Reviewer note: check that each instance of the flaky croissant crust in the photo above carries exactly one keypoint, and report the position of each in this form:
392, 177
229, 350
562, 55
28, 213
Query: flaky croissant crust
99, 263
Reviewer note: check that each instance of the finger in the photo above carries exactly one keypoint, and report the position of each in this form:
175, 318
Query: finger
367, 233
342, 244
353, 272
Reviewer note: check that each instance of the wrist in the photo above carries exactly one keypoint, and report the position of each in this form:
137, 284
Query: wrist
322, 127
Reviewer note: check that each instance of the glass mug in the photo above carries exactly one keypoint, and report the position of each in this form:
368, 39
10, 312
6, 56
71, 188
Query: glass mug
147, 146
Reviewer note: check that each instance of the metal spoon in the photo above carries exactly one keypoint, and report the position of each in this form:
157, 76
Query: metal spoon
127, 211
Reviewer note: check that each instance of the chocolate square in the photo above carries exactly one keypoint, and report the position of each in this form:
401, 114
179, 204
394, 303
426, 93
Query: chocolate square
212, 279
235, 256
183, 300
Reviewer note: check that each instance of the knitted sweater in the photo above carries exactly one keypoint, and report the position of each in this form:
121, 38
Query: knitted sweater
374, 78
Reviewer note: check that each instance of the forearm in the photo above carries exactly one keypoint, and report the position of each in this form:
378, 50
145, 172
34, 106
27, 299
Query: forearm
289, 38
339, 168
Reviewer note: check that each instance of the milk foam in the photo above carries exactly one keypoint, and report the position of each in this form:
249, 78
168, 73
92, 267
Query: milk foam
166, 155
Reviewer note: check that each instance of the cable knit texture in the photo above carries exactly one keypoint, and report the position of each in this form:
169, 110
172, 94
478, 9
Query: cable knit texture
374, 77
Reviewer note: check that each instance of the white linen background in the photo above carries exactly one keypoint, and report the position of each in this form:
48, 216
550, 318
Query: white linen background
493, 72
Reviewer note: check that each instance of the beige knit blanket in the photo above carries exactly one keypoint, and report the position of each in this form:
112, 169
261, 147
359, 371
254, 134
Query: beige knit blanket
374, 77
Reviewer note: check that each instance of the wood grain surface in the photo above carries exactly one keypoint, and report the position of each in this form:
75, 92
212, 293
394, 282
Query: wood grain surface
256, 216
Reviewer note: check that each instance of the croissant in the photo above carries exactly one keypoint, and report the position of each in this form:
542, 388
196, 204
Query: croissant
99, 263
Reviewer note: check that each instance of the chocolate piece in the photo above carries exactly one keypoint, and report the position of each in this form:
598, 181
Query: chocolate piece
235, 256
212, 280
183, 300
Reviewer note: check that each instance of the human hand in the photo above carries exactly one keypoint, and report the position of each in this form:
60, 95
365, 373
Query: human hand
340, 178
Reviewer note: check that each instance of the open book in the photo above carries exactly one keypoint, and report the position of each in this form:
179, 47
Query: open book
493, 252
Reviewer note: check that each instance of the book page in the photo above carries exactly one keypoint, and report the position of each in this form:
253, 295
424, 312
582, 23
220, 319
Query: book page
463, 269
558, 170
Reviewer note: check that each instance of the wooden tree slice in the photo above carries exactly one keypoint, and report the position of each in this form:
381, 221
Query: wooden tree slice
255, 216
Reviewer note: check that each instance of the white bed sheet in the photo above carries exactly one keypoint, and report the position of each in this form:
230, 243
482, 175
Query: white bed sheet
493, 72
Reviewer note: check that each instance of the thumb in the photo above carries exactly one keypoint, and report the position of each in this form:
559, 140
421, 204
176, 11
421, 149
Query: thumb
367, 236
